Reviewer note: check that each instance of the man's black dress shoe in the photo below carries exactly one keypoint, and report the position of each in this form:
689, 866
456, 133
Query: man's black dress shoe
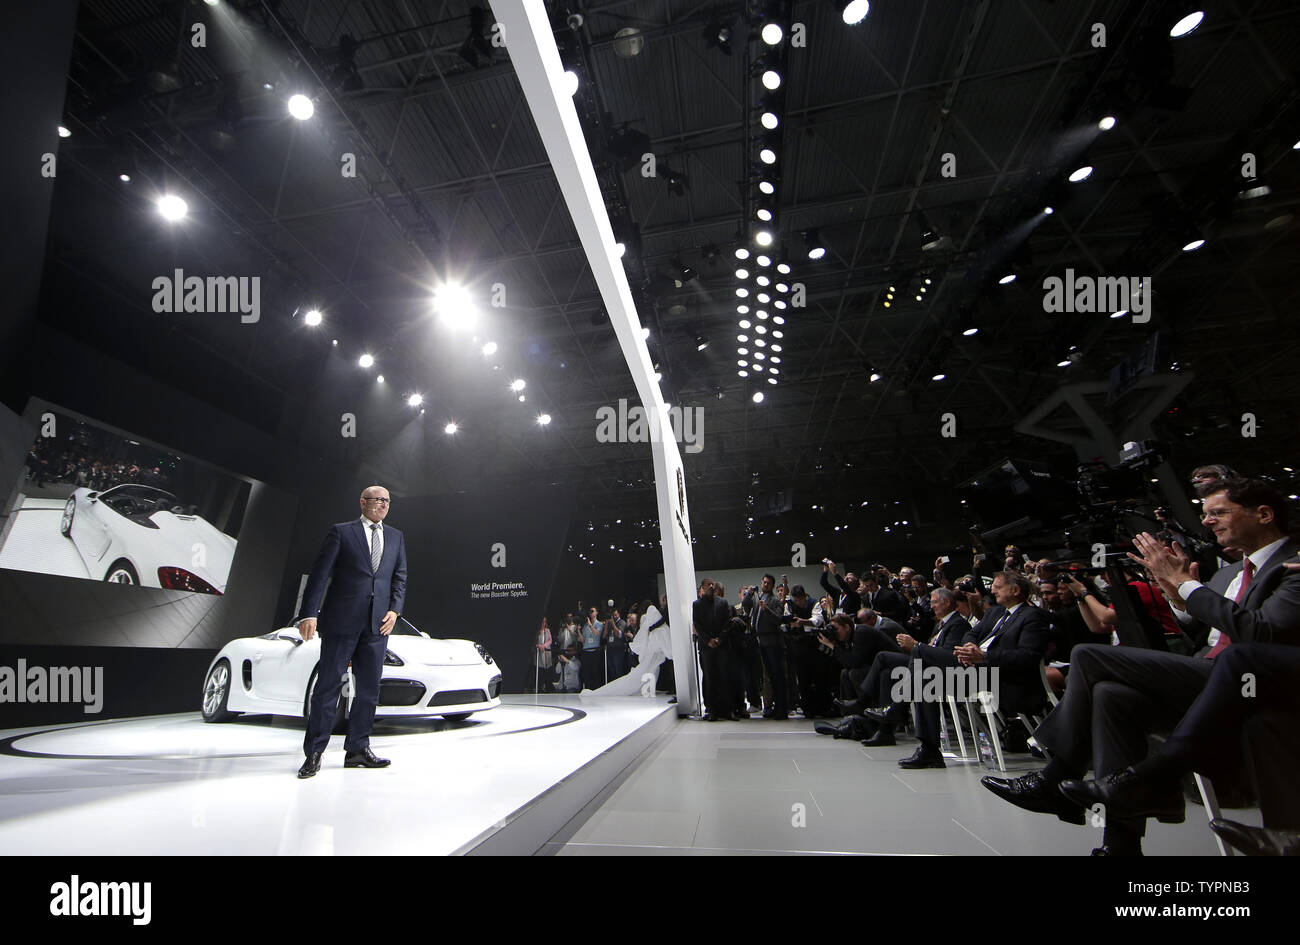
1126, 796
364, 759
883, 738
828, 728
892, 714
1031, 792
849, 706
1257, 841
923, 758
710, 717
781, 717
1107, 850
310, 766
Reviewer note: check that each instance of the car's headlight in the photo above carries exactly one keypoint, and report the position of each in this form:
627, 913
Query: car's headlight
392, 659
482, 651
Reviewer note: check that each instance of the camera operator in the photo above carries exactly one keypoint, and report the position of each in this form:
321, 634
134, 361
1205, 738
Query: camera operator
616, 638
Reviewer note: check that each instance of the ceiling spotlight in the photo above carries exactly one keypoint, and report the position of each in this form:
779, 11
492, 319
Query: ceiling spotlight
415, 400
124, 178
972, 330
816, 248
742, 273
569, 83
543, 419
771, 380
450, 429
744, 310
1082, 173
939, 377
763, 259
1250, 193
758, 397
769, 120
767, 187
771, 34
64, 132
701, 342
778, 320
379, 379
518, 384
301, 107
620, 248
771, 80
764, 214
746, 324
366, 360
489, 349
854, 12
523, 397
1048, 210
742, 252
1194, 244
1064, 362
1120, 314
742, 292
1107, 123
874, 377
172, 207
1187, 24
1009, 278
763, 237
762, 280
767, 156
313, 317
742, 373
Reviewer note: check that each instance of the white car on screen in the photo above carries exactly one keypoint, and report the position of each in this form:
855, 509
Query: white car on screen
275, 674
136, 534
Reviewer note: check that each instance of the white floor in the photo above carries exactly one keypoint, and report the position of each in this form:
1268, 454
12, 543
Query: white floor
174, 785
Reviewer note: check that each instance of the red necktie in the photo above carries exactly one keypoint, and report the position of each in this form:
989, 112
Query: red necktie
1247, 572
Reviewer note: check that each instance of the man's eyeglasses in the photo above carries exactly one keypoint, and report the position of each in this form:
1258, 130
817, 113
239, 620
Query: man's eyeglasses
378, 501
1214, 515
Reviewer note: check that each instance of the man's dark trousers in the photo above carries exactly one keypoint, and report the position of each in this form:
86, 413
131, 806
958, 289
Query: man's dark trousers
774, 663
1116, 697
715, 663
365, 650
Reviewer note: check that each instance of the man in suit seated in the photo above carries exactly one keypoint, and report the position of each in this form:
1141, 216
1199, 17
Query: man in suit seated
364, 563
1012, 640
1117, 696
1250, 707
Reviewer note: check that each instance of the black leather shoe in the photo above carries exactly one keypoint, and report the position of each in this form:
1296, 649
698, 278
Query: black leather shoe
779, 716
848, 706
826, 728
923, 758
883, 738
1257, 841
1126, 796
1031, 792
364, 759
310, 766
1107, 850
891, 714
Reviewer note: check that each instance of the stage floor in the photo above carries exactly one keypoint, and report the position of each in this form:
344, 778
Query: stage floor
172, 784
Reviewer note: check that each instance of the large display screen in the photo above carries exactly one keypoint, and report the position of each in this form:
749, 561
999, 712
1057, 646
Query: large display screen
103, 505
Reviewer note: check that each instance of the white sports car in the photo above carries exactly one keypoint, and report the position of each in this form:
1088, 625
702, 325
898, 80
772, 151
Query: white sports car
136, 534
276, 674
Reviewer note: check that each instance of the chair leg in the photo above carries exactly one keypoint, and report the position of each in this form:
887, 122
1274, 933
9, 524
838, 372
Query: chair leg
1211, 801
956, 725
986, 702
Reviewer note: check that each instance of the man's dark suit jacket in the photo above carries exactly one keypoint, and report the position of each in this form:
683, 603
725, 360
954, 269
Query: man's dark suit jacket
952, 632
768, 628
1017, 652
1270, 611
357, 598
888, 602
844, 597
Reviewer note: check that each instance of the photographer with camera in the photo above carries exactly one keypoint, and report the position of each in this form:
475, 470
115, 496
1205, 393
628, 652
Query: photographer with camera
845, 593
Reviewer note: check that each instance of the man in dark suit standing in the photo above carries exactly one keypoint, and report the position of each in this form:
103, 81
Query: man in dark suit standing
364, 562
763, 611
1118, 695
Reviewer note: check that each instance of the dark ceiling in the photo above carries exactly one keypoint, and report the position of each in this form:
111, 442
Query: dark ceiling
452, 183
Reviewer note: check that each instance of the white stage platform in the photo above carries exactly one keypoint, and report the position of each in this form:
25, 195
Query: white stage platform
504, 781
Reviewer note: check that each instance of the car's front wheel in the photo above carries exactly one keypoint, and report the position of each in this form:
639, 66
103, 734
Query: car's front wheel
340, 708
121, 572
216, 693
69, 513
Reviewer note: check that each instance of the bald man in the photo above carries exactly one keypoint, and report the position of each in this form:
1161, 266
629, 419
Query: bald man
364, 563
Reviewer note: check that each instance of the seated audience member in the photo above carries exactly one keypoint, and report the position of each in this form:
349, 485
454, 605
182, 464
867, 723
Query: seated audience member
1069, 627
1012, 638
1118, 695
568, 671
1227, 724
845, 593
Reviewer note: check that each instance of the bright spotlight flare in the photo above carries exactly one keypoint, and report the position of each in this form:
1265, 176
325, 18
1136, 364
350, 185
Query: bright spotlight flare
366, 360
855, 11
415, 400
543, 419
1187, 24
450, 429
453, 302
172, 207
301, 107
1082, 173
772, 34
489, 349
313, 317
518, 384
